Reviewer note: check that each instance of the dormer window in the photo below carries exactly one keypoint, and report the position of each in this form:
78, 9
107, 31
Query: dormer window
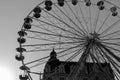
61, 68
57, 69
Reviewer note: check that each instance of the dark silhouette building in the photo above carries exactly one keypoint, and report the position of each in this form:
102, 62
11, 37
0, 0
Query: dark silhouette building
60, 70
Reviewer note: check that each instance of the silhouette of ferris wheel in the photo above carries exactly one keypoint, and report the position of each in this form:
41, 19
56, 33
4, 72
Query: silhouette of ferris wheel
78, 30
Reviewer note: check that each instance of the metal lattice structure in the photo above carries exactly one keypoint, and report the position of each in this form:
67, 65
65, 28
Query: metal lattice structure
78, 30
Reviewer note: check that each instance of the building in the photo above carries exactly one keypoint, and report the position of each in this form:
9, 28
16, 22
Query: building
60, 70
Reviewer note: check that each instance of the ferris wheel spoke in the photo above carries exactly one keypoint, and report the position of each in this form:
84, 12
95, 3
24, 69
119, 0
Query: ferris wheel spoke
83, 17
71, 20
90, 19
73, 56
92, 52
96, 20
38, 64
110, 39
75, 52
115, 33
78, 19
51, 40
75, 70
70, 48
30, 78
38, 49
112, 3
57, 53
46, 49
67, 54
95, 59
75, 67
48, 44
83, 33
85, 54
115, 65
46, 57
92, 57
100, 52
58, 27
110, 60
104, 53
62, 49
44, 29
97, 55
112, 44
110, 53
43, 39
62, 29
55, 35
110, 27
105, 20
116, 75
67, 25
113, 48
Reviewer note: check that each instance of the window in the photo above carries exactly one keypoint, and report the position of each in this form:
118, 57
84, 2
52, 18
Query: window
57, 69
61, 68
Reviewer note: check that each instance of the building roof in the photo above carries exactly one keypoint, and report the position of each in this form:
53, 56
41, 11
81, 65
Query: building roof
54, 63
89, 66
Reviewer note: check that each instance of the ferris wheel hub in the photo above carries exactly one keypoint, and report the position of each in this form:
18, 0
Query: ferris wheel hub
93, 38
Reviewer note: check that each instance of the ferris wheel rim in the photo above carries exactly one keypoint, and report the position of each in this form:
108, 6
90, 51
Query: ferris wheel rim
92, 35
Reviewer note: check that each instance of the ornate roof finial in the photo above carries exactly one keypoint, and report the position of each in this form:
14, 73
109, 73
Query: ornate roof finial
53, 58
53, 53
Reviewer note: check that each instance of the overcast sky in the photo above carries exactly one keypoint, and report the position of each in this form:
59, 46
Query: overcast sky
12, 14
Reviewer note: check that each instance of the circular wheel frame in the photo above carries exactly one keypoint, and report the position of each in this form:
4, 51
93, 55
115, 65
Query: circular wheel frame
78, 30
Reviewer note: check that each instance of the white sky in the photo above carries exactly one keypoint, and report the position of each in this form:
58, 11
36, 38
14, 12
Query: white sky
12, 13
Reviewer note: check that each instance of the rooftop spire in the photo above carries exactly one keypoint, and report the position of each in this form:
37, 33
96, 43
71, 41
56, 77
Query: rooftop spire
53, 53
53, 57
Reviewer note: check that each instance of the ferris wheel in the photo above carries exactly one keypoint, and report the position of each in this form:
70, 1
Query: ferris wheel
78, 30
